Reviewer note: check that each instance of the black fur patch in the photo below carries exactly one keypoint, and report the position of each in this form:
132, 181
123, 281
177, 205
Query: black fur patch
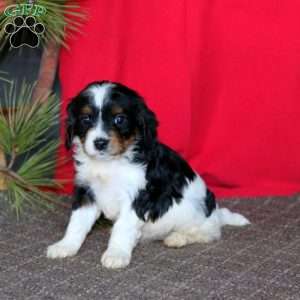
210, 202
166, 174
82, 196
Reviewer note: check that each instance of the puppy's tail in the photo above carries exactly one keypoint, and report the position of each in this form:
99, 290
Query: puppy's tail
226, 217
222, 216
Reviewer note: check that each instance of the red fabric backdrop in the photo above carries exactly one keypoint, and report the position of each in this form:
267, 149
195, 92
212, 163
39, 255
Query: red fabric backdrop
222, 76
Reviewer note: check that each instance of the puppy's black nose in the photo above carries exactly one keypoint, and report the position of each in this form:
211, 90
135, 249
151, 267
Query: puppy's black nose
101, 144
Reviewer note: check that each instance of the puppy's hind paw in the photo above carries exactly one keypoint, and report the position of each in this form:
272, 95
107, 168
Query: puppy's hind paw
175, 240
115, 259
61, 250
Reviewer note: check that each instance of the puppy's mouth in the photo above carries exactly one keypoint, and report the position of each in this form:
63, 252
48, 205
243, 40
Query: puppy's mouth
110, 152
115, 149
111, 146
100, 156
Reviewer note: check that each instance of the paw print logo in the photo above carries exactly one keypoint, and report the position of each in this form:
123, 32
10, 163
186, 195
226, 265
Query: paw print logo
21, 28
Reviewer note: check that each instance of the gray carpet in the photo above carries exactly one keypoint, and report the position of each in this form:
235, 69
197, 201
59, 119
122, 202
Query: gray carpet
261, 261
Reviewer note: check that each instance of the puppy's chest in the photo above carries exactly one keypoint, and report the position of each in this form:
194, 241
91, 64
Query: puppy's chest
114, 183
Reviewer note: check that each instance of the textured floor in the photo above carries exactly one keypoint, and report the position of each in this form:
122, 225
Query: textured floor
261, 261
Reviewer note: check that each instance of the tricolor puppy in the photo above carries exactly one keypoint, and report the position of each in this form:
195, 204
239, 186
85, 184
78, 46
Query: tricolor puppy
125, 173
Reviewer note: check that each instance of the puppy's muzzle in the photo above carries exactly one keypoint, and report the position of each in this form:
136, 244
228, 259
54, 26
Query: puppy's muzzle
101, 144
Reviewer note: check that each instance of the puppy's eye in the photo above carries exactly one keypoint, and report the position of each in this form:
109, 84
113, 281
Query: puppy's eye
85, 119
119, 119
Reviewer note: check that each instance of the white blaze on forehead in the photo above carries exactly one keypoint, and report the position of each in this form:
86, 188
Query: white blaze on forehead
99, 93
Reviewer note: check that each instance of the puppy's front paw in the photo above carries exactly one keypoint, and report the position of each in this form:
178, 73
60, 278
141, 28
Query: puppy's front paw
114, 259
61, 249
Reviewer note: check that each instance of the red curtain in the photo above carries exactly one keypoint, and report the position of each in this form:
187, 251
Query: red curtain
222, 76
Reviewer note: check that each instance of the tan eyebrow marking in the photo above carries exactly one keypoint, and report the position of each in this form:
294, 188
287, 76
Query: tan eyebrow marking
116, 110
86, 109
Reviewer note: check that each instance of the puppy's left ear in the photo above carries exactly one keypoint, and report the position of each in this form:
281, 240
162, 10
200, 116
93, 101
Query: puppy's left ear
148, 126
70, 123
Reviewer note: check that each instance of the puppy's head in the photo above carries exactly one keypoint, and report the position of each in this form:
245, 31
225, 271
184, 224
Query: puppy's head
108, 120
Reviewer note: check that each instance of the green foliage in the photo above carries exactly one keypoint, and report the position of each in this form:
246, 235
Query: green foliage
60, 14
3, 78
24, 138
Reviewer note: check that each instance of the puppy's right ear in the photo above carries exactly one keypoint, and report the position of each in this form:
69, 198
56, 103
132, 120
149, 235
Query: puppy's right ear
70, 123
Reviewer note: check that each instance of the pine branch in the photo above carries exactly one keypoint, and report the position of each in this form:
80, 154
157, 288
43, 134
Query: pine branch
24, 127
13, 175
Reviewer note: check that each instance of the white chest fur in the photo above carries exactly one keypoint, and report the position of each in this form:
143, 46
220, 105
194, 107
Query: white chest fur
115, 183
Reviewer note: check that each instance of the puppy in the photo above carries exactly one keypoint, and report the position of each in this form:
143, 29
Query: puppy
125, 173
